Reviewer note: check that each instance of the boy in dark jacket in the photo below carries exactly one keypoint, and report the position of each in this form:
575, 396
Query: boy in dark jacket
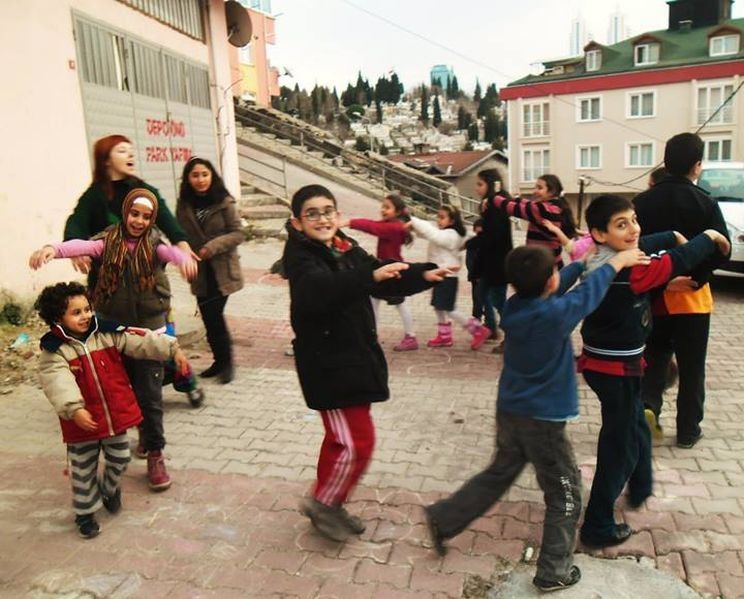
473, 248
681, 316
537, 396
340, 364
614, 336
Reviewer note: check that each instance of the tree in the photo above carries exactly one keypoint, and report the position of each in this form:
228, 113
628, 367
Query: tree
477, 92
491, 127
473, 132
424, 117
348, 97
455, 88
437, 119
378, 108
396, 88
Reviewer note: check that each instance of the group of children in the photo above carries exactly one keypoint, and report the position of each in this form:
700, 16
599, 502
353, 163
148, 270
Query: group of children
342, 369
341, 366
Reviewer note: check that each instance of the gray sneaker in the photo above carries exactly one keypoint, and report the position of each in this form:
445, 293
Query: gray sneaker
353, 523
327, 520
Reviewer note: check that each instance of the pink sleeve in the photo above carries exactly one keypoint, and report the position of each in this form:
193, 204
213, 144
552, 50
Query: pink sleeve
79, 247
581, 246
170, 253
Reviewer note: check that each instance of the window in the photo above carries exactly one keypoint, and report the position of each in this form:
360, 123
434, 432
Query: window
104, 62
641, 105
535, 162
646, 54
709, 99
717, 150
721, 45
588, 157
639, 154
536, 120
593, 60
589, 109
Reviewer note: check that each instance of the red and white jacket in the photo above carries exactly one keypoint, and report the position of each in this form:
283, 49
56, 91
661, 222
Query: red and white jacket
89, 373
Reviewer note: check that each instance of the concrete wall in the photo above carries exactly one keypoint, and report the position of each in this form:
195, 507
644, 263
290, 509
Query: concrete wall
466, 184
45, 154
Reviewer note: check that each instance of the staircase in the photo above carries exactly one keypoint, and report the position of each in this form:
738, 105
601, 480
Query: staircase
263, 214
271, 145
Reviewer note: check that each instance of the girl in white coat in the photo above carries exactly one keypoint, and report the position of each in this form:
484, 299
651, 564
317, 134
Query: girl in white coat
446, 242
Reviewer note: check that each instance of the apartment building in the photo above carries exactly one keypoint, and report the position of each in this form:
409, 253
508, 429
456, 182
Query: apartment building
605, 115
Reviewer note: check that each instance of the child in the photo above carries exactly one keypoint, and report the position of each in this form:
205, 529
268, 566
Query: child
497, 243
537, 396
612, 359
340, 364
473, 252
207, 213
132, 289
547, 204
446, 241
83, 377
391, 235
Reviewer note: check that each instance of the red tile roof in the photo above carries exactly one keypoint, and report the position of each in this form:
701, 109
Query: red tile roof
450, 164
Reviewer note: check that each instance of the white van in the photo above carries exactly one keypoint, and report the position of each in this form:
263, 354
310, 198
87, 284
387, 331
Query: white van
725, 182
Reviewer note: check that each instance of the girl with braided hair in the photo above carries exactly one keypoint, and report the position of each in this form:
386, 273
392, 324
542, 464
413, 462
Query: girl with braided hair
132, 289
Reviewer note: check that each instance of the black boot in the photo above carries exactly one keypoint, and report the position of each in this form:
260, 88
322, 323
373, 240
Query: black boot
213, 370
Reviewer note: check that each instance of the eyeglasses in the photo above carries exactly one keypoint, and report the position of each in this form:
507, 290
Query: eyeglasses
314, 214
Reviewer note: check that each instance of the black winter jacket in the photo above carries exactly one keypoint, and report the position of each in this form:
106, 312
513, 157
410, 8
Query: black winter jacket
677, 204
338, 358
497, 243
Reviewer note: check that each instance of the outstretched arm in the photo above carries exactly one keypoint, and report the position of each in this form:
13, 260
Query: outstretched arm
534, 212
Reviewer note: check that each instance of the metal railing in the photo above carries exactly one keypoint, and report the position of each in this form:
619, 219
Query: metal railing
420, 188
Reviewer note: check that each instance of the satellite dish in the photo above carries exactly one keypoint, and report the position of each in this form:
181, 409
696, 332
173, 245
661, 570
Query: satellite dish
239, 27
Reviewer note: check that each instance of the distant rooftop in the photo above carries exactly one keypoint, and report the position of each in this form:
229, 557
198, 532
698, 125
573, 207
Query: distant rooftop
448, 164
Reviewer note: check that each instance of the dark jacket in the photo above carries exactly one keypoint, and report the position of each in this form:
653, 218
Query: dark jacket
473, 247
218, 229
617, 330
677, 204
339, 360
497, 243
94, 212
135, 308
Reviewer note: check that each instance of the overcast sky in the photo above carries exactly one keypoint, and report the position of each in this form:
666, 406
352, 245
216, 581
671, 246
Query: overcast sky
328, 41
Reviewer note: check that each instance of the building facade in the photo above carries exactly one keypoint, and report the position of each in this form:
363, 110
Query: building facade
605, 116
259, 81
153, 70
443, 73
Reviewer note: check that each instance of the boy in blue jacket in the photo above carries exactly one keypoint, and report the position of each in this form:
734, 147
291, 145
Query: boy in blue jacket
614, 338
537, 396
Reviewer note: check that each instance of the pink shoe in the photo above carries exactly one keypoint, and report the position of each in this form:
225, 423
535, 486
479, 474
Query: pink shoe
479, 337
444, 336
408, 343
157, 475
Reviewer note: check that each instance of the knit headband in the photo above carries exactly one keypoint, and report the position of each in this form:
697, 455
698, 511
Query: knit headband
142, 197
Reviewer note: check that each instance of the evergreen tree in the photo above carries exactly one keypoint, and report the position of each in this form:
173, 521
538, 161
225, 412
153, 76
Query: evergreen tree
461, 118
491, 127
437, 118
378, 108
473, 132
477, 92
348, 97
396, 88
448, 91
424, 117
455, 87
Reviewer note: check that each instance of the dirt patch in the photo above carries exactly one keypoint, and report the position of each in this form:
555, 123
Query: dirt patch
19, 353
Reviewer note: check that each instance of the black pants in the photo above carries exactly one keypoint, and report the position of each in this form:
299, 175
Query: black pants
685, 336
212, 309
623, 450
146, 377
520, 440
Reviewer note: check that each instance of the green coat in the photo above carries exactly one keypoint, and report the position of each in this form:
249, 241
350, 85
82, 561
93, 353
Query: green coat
219, 230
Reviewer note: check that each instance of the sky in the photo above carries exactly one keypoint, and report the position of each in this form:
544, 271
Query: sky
329, 41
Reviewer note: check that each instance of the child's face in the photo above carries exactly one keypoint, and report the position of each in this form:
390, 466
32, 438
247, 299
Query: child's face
477, 229
541, 191
138, 220
623, 231
76, 318
387, 210
318, 220
200, 178
444, 220
481, 188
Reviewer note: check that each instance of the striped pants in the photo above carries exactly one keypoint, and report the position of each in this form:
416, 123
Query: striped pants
345, 453
83, 459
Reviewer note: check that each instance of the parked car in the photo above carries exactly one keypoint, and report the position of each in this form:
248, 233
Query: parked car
725, 182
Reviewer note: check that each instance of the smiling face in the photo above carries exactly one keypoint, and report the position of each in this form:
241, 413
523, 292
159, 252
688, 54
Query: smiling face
77, 317
623, 231
138, 219
387, 210
541, 191
200, 179
318, 220
120, 163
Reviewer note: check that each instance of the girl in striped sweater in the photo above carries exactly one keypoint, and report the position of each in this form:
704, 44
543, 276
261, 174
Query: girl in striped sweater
546, 204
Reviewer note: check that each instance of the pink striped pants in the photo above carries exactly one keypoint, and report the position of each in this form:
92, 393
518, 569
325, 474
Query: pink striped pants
345, 452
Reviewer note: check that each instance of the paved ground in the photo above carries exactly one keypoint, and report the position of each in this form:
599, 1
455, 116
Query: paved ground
229, 525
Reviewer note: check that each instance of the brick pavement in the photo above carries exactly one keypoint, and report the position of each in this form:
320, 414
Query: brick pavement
229, 525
